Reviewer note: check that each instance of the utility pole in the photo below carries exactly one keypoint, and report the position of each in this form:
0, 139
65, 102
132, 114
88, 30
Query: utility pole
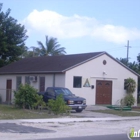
128, 50
33, 50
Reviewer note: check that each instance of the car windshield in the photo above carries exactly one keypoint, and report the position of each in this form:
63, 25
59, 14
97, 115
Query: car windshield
63, 91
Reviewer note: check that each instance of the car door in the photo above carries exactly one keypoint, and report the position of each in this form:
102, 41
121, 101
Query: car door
50, 94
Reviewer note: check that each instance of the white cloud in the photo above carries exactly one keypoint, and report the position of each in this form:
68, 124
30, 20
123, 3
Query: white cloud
53, 24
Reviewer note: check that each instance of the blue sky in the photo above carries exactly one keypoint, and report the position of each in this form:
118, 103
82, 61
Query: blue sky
81, 26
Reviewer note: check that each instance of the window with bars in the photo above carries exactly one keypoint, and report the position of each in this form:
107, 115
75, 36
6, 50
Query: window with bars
18, 82
77, 81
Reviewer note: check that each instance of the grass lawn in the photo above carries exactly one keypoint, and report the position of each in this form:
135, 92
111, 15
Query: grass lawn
120, 113
10, 112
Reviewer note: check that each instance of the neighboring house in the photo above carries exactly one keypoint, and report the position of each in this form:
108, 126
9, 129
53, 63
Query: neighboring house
97, 76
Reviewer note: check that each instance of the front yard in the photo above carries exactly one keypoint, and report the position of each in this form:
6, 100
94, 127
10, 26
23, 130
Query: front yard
10, 112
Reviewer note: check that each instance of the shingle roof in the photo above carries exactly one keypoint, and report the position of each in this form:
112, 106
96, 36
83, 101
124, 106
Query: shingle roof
52, 64
48, 64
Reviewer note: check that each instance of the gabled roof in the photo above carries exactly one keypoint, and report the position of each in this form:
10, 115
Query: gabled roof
52, 64
47, 64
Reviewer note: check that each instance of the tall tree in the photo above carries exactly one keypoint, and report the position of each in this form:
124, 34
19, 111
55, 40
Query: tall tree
52, 47
123, 60
12, 38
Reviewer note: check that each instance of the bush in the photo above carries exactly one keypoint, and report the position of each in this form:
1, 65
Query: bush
26, 97
39, 102
129, 100
0, 99
58, 106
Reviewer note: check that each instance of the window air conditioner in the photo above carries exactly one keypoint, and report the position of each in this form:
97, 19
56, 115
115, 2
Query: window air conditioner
33, 78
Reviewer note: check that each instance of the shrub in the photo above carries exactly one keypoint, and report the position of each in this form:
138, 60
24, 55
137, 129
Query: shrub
39, 102
58, 106
26, 97
0, 99
130, 85
129, 100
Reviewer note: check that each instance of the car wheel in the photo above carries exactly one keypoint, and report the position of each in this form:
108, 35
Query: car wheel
79, 110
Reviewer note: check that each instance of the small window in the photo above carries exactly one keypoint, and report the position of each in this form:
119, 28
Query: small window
107, 84
18, 82
77, 82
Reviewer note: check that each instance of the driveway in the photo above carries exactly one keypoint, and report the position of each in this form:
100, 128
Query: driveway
88, 112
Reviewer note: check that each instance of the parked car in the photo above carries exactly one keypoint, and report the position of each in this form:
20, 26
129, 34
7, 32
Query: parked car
75, 102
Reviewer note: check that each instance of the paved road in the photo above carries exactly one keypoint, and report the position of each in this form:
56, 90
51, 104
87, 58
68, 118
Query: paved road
15, 128
103, 137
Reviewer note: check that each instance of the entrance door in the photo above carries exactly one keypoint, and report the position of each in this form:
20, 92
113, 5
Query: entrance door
103, 92
42, 84
8, 90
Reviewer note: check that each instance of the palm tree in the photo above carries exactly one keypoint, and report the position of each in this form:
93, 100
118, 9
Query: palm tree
51, 48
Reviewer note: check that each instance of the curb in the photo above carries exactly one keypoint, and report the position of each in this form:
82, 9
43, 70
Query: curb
67, 120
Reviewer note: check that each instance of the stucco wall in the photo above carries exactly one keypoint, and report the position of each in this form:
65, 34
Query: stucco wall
3, 81
59, 82
93, 70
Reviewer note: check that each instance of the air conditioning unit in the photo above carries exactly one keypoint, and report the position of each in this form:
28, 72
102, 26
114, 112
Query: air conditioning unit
33, 78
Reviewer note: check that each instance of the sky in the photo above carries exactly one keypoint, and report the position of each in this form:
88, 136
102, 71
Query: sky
81, 26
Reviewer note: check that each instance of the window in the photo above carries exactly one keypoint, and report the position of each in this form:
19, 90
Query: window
77, 81
51, 92
18, 82
27, 80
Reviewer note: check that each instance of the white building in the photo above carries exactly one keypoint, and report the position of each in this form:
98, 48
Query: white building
97, 76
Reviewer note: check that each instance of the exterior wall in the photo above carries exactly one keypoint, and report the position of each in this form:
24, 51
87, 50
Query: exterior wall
93, 70
59, 82
49, 80
3, 81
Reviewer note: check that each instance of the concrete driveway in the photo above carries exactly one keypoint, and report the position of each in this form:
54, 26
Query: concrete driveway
88, 112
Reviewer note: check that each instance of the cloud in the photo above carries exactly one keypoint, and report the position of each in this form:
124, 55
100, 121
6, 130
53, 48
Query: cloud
53, 24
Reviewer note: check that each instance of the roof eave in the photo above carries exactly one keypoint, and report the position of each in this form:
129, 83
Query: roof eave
32, 72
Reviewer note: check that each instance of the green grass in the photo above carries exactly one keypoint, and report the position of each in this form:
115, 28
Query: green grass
10, 112
119, 113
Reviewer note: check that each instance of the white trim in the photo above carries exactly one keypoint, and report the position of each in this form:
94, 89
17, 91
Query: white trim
99, 77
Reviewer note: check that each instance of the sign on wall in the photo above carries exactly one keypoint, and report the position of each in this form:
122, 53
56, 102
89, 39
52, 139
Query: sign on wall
86, 84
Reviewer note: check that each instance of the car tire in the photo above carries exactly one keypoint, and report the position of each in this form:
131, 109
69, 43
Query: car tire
79, 110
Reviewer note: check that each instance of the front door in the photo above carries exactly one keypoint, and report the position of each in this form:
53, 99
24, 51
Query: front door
8, 90
42, 84
103, 92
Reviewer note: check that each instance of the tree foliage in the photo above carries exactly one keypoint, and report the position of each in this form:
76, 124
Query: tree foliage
52, 47
12, 38
129, 100
130, 85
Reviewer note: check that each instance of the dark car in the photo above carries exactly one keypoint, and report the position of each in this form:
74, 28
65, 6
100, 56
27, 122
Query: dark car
75, 102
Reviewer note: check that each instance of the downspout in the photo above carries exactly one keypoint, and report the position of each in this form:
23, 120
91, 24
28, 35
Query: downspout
53, 80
